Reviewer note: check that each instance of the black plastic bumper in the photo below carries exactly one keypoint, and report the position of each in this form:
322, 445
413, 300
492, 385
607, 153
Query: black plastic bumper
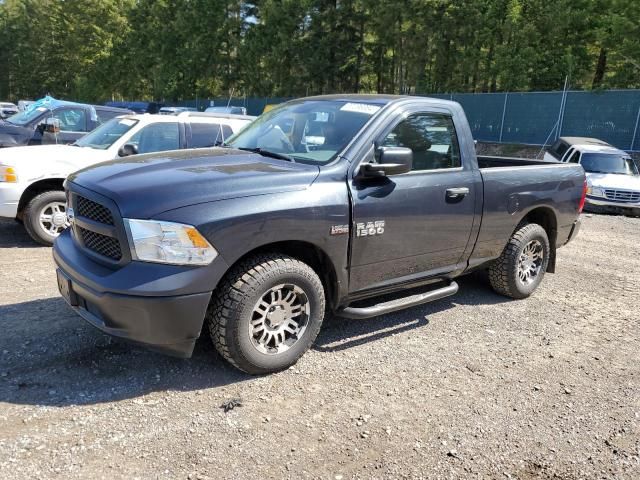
163, 318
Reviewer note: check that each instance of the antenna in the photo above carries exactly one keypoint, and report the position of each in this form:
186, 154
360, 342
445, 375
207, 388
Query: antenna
230, 97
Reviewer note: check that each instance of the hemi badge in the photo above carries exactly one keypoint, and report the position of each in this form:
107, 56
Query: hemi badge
340, 230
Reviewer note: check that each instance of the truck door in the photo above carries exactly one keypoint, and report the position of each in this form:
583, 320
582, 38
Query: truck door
72, 122
417, 224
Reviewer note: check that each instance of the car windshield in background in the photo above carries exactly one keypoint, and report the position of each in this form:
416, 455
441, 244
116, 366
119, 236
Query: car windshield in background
312, 131
27, 116
107, 134
608, 163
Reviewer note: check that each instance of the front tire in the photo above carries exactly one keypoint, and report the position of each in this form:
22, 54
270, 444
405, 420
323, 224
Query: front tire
45, 216
523, 263
266, 313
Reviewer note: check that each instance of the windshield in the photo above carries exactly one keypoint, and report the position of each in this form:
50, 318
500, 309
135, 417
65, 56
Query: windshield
312, 131
27, 116
107, 134
608, 163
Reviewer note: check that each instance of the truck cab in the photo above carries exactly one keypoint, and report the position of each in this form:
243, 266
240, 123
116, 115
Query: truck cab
53, 122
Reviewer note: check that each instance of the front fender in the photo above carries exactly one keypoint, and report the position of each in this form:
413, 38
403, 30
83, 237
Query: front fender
239, 226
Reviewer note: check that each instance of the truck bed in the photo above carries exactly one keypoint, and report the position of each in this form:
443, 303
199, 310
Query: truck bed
516, 185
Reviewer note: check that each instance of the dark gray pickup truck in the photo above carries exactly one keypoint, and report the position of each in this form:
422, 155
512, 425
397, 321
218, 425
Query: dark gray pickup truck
321, 205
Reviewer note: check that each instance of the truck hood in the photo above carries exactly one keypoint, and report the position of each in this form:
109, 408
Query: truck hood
50, 161
47, 153
14, 135
609, 180
147, 185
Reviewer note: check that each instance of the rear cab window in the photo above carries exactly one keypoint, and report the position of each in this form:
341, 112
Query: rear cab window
106, 115
205, 135
559, 148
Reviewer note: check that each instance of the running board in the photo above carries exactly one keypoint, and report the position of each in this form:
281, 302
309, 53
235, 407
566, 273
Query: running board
398, 304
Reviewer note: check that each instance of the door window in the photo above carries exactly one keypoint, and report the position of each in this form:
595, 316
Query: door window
431, 137
71, 119
157, 137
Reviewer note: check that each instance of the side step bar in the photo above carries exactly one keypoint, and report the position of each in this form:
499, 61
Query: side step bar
398, 304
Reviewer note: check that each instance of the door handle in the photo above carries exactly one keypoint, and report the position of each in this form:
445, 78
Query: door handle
457, 192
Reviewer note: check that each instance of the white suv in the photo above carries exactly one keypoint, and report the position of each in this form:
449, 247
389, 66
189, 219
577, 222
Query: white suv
31, 177
612, 176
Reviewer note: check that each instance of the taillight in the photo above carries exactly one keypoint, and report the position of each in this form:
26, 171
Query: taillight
584, 197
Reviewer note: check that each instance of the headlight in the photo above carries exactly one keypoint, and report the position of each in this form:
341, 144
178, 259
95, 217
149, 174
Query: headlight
167, 242
596, 192
8, 174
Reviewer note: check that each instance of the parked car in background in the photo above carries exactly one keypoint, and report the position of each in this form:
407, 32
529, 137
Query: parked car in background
24, 104
252, 243
565, 147
31, 178
612, 175
176, 110
7, 109
137, 107
232, 110
49, 122
613, 183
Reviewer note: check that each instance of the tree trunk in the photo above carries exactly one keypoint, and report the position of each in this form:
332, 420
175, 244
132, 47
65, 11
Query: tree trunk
601, 67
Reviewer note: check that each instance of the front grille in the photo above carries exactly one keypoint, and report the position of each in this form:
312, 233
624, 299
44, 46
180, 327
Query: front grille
106, 246
623, 196
93, 211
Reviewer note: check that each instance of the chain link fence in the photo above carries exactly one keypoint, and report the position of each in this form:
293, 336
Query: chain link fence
539, 118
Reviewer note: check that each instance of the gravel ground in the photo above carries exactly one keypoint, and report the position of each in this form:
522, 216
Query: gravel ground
470, 386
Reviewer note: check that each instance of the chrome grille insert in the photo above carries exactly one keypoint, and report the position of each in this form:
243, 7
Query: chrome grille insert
622, 195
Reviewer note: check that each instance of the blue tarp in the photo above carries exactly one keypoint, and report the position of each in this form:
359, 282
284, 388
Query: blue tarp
51, 103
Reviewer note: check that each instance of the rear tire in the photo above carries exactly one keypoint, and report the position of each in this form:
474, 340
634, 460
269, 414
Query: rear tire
523, 263
45, 216
266, 313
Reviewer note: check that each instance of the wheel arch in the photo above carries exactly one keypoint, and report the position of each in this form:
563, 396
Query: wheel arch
35, 189
548, 220
308, 253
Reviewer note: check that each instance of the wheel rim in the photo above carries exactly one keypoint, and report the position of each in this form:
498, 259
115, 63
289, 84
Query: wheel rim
530, 262
53, 218
279, 319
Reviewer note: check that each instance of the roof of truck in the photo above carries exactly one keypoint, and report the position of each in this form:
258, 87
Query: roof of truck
584, 141
376, 99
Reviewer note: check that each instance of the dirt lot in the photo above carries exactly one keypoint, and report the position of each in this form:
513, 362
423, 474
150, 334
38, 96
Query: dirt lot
472, 386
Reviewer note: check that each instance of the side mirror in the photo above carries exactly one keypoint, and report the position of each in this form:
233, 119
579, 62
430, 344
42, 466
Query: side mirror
392, 161
52, 125
128, 149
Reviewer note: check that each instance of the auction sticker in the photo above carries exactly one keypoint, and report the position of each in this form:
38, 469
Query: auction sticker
360, 108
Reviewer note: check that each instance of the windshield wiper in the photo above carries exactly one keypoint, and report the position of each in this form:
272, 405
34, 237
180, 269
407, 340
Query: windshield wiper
268, 153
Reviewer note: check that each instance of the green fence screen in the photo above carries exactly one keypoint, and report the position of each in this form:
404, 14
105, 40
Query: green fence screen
533, 118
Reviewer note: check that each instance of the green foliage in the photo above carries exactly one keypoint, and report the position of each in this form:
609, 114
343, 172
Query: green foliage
180, 49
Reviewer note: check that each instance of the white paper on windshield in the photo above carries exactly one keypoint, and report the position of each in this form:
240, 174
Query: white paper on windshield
360, 108
127, 122
41, 109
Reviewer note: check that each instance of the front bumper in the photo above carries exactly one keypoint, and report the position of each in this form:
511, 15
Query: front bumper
600, 204
10, 194
159, 306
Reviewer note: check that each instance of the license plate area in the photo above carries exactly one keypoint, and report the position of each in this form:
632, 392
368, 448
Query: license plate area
66, 289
